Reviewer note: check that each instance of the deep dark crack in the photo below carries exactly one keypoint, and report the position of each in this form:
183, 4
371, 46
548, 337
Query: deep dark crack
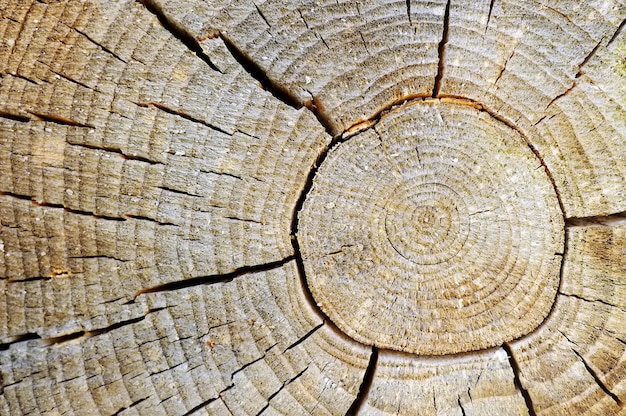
216, 278
179, 33
442, 52
516, 379
366, 384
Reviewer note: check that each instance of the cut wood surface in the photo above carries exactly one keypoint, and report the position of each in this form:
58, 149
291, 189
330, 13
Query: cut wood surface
312, 207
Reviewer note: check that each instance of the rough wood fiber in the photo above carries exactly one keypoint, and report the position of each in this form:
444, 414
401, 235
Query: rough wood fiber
285, 208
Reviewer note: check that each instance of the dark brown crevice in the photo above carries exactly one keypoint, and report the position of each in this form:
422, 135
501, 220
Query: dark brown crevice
200, 406
277, 392
19, 338
408, 11
304, 337
60, 206
588, 58
216, 278
133, 404
489, 15
14, 117
442, 52
617, 33
517, 381
179, 33
258, 73
181, 114
178, 191
319, 111
366, 384
30, 279
53, 118
597, 379
561, 95
277, 90
609, 220
461, 406
504, 67
94, 332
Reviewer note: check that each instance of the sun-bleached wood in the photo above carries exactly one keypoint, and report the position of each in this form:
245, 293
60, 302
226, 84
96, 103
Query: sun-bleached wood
168, 167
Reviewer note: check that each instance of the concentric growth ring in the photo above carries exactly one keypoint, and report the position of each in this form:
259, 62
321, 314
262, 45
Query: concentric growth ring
435, 232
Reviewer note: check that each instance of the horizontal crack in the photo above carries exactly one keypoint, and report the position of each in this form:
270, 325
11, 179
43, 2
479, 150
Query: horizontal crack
181, 114
17, 339
610, 220
15, 117
53, 118
217, 278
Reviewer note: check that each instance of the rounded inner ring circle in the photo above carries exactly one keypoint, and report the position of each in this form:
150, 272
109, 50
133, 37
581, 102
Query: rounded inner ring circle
433, 232
426, 223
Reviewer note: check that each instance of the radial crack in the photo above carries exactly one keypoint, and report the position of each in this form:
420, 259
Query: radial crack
368, 378
53, 118
179, 33
14, 117
17, 339
489, 15
94, 332
504, 67
116, 150
563, 94
595, 376
617, 33
588, 58
104, 48
516, 379
603, 302
610, 220
216, 278
304, 337
181, 114
408, 11
258, 73
441, 52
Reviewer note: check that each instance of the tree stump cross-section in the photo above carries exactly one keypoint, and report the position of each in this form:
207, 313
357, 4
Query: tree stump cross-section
312, 207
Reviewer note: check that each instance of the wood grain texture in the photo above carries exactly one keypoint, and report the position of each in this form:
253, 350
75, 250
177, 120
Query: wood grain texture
327, 208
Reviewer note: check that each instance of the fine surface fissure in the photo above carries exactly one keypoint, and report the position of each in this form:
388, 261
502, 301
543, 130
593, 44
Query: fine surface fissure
368, 379
516, 379
182, 115
597, 379
603, 302
441, 52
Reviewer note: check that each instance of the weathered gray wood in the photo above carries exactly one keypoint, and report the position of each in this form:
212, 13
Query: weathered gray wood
396, 207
